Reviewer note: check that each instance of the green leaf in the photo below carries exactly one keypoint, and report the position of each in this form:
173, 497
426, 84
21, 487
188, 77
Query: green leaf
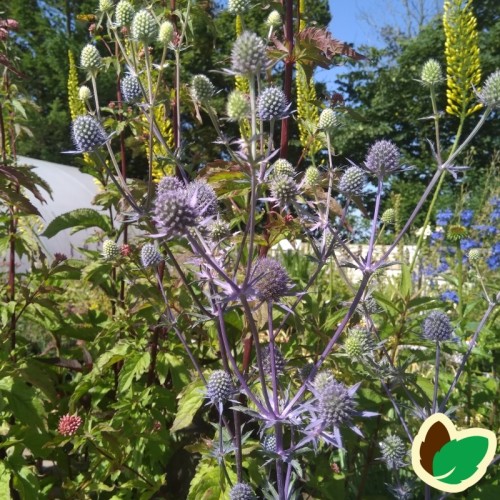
189, 402
4, 482
208, 483
81, 218
132, 369
458, 460
405, 284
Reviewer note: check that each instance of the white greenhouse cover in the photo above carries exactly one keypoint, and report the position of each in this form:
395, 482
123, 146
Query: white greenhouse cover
71, 189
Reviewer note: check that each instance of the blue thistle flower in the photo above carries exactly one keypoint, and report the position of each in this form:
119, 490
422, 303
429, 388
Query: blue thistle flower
437, 327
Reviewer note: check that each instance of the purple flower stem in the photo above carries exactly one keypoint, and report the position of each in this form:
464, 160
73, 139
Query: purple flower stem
396, 409
436, 378
472, 344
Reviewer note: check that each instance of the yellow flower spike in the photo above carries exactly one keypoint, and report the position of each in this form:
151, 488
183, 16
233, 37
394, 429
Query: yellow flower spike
462, 57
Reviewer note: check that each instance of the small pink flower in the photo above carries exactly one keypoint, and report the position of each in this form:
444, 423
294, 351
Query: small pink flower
69, 424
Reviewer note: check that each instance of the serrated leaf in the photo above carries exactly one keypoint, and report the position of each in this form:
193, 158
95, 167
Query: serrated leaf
458, 460
208, 483
4, 481
81, 218
190, 401
132, 369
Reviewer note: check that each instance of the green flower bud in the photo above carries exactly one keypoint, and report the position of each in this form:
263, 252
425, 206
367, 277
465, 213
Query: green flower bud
274, 19
238, 107
110, 250
248, 56
166, 32
474, 255
352, 181
202, 89
389, 216
431, 73
328, 120
105, 5
144, 27
238, 6
490, 94
84, 93
90, 59
284, 190
312, 176
393, 452
124, 13
283, 167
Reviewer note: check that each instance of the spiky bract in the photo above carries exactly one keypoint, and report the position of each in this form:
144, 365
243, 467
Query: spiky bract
248, 56
88, 134
219, 386
272, 279
437, 327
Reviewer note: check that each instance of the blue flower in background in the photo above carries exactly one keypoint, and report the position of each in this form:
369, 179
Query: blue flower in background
436, 236
466, 244
443, 217
443, 266
466, 217
487, 230
450, 296
493, 260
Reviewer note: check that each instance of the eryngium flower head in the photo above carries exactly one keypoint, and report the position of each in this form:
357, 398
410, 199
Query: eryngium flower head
168, 183
204, 197
144, 27
359, 343
202, 89
352, 182
328, 120
389, 216
238, 6
84, 93
248, 56
431, 73
150, 255
269, 443
90, 59
474, 255
383, 158
336, 406
241, 491
174, 212
312, 176
219, 386
131, 89
393, 451
69, 424
283, 189
283, 167
272, 279
166, 32
437, 327
272, 104
110, 250
124, 13
279, 361
87, 133
105, 5
219, 230
490, 93
238, 107
274, 19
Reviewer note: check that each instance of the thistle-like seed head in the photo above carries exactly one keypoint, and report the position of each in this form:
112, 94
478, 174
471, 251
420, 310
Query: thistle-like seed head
383, 158
166, 32
269, 443
203, 197
272, 104
274, 19
144, 27
168, 183
393, 451
238, 106
124, 14
174, 212
248, 56
90, 59
312, 176
437, 327
431, 73
335, 405
110, 250
219, 230
283, 189
272, 279
84, 93
241, 491
87, 133
359, 343
389, 216
490, 93
267, 362
474, 255
150, 256
69, 425
328, 120
219, 386
283, 167
131, 89
352, 182
202, 89
238, 6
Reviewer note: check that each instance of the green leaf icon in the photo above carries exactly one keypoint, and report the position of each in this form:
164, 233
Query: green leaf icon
459, 459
